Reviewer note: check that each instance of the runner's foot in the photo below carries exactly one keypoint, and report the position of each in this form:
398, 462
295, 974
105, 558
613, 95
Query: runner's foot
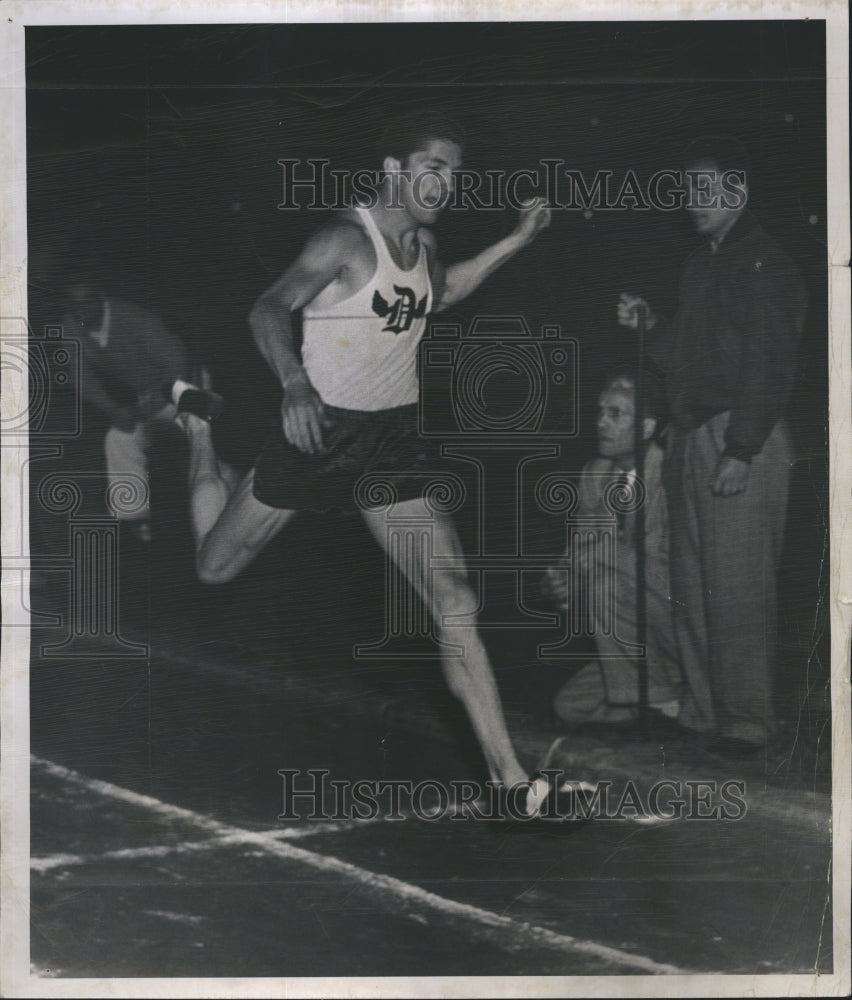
201, 403
547, 803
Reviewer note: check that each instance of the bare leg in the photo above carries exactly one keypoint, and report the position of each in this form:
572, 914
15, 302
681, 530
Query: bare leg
229, 525
229, 475
468, 675
209, 491
127, 462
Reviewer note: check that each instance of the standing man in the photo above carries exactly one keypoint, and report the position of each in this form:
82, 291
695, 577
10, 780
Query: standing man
729, 359
607, 689
365, 283
127, 357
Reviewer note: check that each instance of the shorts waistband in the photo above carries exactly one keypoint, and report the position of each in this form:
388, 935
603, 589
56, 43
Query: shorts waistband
394, 414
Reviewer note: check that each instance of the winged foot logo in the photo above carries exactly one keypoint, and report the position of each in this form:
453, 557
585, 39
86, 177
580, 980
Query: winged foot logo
400, 313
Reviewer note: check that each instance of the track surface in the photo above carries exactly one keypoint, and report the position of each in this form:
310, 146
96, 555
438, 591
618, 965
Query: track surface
157, 851
157, 848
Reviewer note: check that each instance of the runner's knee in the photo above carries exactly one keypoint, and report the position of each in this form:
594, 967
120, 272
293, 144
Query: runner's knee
453, 595
228, 549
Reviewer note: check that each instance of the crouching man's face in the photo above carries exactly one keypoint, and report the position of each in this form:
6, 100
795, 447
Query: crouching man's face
86, 307
616, 418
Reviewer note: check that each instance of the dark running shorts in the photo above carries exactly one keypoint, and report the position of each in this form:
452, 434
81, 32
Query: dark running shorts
384, 442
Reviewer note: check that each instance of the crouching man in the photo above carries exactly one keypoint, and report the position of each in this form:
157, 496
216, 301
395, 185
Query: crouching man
606, 690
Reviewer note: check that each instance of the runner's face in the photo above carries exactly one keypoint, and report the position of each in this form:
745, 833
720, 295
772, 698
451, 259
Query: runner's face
430, 186
615, 426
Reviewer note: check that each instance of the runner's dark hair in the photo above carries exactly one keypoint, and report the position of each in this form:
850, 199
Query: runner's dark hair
409, 133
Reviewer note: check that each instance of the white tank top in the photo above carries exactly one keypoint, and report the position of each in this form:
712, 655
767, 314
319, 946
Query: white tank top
361, 353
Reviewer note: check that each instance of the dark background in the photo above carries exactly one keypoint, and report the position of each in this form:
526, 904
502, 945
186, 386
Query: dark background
152, 160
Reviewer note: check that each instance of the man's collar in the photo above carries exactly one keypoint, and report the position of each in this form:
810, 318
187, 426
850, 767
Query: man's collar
744, 225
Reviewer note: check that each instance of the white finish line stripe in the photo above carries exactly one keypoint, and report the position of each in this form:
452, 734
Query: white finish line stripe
48, 862
519, 932
52, 861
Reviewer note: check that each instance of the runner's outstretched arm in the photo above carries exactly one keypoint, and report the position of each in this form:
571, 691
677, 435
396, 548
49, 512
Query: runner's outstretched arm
459, 280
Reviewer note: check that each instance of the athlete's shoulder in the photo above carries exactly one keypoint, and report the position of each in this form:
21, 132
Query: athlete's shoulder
341, 232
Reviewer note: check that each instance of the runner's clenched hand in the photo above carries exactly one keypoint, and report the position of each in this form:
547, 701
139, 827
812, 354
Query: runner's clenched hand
302, 417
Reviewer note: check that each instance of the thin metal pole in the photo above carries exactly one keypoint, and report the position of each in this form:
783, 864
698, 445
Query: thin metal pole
639, 527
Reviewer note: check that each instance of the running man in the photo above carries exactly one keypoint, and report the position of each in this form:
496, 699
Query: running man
365, 282
126, 354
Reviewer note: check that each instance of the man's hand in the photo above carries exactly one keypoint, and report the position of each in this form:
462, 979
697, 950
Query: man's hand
555, 583
534, 216
628, 312
124, 418
730, 478
302, 417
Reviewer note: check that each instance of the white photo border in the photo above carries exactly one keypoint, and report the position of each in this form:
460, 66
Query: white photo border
15, 973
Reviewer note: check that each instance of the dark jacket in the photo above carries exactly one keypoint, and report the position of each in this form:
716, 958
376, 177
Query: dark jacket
733, 343
141, 354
